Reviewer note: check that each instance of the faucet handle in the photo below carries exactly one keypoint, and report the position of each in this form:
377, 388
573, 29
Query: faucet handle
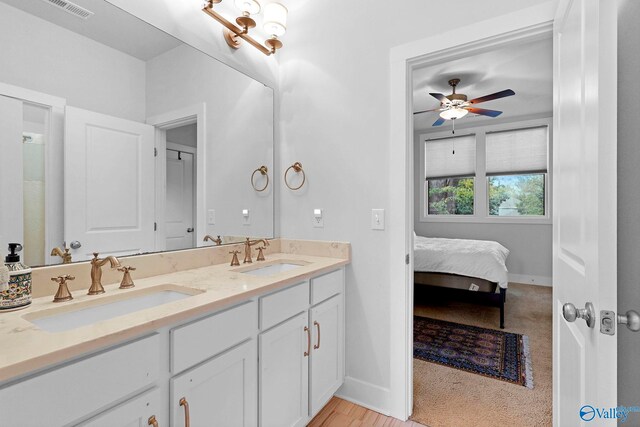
234, 260
63, 293
127, 281
260, 253
95, 255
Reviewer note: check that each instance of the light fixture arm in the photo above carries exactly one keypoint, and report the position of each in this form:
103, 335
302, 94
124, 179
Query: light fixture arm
234, 32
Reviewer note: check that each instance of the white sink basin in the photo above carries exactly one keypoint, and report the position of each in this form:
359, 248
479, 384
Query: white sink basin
272, 268
65, 318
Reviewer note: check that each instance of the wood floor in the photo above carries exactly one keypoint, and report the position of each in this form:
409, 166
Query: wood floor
340, 413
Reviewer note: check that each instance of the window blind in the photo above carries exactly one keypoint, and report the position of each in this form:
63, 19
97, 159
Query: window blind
517, 151
441, 162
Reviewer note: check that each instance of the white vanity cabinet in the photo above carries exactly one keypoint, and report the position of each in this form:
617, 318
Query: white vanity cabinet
302, 358
273, 360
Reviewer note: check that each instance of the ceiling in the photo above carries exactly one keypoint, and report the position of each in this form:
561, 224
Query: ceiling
524, 68
109, 25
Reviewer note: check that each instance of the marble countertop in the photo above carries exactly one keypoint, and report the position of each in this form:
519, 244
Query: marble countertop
27, 348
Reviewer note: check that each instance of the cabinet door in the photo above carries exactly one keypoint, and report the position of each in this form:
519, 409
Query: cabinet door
284, 374
327, 362
136, 412
221, 392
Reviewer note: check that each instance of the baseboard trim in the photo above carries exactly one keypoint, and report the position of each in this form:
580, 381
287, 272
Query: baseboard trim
527, 279
365, 394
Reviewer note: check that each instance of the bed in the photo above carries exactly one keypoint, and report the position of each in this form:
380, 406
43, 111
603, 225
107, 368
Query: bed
474, 268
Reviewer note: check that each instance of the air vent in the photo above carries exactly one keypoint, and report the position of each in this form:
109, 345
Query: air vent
71, 8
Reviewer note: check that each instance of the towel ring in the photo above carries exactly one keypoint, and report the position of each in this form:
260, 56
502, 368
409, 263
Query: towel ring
263, 171
297, 167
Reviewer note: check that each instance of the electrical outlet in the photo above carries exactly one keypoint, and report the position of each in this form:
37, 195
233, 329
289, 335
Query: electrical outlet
246, 218
318, 219
377, 219
211, 216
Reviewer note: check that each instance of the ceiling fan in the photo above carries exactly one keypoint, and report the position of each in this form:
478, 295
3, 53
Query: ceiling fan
456, 106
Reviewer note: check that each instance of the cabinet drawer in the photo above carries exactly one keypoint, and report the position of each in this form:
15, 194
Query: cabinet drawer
71, 392
326, 286
282, 305
202, 339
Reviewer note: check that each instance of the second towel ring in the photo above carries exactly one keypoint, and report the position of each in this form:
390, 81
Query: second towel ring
263, 171
297, 167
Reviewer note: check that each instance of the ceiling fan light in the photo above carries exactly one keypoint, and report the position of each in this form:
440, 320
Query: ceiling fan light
454, 113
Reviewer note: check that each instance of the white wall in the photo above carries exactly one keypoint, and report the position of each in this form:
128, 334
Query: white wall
628, 199
335, 120
41, 56
530, 255
239, 125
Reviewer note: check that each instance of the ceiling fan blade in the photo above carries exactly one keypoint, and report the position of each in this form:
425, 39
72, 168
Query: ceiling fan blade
440, 97
438, 122
484, 112
426, 111
497, 95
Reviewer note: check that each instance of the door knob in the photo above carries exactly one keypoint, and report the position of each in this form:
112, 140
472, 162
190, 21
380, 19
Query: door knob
75, 245
632, 319
571, 313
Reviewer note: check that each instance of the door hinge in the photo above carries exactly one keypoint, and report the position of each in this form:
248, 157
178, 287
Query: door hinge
155, 152
155, 226
406, 259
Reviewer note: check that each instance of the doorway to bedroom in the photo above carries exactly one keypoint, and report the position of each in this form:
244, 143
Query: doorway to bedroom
482, 333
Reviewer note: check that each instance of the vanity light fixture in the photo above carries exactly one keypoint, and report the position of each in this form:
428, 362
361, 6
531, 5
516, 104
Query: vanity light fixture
274, 18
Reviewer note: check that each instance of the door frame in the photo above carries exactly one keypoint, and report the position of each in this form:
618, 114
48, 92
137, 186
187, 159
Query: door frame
53, 166
526, 24
184, 116
194, 152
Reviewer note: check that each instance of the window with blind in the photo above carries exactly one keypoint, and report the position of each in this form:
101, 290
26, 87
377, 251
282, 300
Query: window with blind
516, 170
450, 168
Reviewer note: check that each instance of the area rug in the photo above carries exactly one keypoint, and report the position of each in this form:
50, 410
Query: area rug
495, 354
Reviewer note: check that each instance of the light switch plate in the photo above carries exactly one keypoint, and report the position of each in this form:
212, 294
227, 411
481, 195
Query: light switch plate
211, 216
377, 219
318, 218
246, 217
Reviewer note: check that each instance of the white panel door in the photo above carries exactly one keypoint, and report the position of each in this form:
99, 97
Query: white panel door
179, 218
11, 213
284, 374
109, 184
135, 412
584, 208
220, 392
327, 369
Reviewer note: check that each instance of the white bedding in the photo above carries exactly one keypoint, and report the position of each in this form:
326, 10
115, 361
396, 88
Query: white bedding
474, 258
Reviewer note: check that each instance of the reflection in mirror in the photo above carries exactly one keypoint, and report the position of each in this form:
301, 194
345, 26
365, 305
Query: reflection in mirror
120, 139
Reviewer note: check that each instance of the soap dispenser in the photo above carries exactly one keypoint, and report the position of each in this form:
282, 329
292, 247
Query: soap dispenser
18, 294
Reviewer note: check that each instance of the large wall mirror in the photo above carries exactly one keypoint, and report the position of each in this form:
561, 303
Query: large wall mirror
117, 138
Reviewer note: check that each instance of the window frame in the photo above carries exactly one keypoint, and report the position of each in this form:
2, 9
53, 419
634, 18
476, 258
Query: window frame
481, 181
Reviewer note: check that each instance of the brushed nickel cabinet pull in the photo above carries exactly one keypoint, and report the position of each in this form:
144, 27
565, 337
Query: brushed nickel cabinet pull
317, 346
152, 421
306, 353
187, 420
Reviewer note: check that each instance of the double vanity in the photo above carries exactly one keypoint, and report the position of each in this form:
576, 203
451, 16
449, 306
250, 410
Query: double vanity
200, 345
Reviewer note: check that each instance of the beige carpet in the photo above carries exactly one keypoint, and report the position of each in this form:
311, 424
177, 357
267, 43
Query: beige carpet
446, 397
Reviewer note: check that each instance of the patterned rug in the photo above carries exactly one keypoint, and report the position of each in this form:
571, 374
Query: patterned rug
496, 354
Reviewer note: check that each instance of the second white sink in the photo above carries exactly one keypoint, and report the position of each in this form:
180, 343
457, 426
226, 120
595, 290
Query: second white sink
273, 268
65, 318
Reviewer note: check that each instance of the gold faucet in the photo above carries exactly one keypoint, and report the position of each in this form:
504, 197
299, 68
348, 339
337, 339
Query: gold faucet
247, 248
62, 253
217, 241
96, 272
